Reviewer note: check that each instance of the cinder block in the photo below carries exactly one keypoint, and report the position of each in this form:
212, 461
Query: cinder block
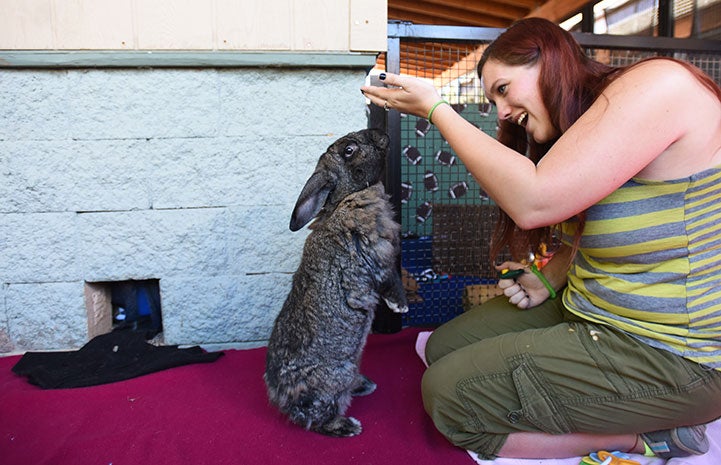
38, 247
231, 171
294, 102
71, 175
6, 343
142, 103
222, 309
46, 316
261, 241
153, 244
33, 105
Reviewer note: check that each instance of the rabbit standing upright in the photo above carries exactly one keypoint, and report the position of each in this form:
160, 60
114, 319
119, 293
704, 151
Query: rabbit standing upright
349, 263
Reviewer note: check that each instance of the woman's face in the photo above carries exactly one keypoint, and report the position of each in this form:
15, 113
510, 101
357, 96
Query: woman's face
515, 92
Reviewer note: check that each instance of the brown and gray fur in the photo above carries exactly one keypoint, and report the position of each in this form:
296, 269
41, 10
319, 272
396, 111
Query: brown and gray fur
349, 264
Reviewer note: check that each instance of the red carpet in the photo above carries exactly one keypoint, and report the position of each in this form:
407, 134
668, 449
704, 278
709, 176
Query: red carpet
217, 413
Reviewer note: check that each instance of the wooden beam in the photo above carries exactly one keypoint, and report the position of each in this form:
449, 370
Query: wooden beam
423, 46
558, 10
527, 4
493, 8
421, 19
448, 13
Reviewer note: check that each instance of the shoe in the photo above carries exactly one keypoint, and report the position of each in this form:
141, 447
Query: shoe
677, 442
608, 458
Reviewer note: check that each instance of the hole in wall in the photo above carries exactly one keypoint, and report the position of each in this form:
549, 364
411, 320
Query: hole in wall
132, 305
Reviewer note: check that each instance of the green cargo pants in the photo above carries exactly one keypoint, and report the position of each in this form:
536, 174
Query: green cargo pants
497, 369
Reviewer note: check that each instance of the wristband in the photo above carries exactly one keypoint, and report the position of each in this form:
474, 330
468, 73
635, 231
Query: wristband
537, 272
435, 105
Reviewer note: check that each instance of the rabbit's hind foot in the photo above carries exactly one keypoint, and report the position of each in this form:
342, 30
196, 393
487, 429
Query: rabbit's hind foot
340, 427
364, 386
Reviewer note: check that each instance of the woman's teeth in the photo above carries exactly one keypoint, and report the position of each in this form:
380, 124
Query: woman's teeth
521, 119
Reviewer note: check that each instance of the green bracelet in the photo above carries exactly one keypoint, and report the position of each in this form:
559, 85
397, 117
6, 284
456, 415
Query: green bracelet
435, 105
537, 272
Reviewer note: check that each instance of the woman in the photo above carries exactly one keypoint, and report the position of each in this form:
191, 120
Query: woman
624, 164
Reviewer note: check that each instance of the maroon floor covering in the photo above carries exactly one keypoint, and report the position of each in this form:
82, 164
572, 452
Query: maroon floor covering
217, 413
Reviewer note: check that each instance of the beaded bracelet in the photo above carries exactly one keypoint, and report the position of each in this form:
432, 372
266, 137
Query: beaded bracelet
543, 279
435, 105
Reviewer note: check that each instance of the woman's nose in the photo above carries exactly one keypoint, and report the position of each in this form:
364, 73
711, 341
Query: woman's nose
504, 111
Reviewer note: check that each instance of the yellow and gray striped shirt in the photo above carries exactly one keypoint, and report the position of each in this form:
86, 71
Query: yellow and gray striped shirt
649, 263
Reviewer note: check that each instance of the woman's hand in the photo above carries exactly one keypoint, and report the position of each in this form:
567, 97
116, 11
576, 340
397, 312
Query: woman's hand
525, 291
405, 94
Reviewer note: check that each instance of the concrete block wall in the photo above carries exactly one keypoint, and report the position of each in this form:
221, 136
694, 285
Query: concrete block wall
187, 176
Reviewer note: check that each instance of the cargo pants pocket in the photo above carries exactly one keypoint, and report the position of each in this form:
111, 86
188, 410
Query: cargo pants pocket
538, 406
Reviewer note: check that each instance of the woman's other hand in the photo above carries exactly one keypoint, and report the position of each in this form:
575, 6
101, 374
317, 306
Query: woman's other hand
524, 291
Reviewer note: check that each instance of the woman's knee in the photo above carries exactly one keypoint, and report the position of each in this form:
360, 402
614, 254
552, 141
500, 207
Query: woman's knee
437, 346
450, 417
432, 385
436, 389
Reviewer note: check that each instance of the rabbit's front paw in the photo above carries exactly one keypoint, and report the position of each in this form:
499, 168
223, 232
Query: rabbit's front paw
397, 308
342, 427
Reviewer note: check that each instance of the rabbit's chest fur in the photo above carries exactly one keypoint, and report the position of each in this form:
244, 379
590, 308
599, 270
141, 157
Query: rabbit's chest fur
346, 258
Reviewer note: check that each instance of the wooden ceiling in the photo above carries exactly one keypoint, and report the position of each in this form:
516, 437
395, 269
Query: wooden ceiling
483, 13
495, 13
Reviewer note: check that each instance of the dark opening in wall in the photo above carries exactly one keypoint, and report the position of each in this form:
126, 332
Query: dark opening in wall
136, 305
124, 305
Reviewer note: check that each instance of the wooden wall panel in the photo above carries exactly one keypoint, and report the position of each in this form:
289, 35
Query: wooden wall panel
26, 24
254, 25
83, 24
320, 25
368, 29
281, 25
174, 24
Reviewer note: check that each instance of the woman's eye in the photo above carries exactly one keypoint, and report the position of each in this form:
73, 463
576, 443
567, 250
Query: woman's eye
502, 89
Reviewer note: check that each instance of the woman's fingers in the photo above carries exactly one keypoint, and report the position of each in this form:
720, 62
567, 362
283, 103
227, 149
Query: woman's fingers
512, 290
391, 79
377, 95
518, 298
506, 283
403, 93
515, 292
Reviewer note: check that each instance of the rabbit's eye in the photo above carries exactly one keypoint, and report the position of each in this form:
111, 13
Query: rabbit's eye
349, 151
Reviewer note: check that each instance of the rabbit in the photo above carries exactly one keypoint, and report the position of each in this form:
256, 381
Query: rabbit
349, 263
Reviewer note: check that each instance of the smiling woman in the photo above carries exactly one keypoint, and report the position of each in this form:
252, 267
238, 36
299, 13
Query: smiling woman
629, 181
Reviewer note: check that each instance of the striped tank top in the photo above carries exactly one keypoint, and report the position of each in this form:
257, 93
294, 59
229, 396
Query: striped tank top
649, 263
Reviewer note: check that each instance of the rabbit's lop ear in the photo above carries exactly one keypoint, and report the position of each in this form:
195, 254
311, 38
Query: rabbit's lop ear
311, 200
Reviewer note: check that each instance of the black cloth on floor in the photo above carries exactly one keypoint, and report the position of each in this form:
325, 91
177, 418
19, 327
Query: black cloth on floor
107, 358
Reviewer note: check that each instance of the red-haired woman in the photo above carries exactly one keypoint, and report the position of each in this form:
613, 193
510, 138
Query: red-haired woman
624, 164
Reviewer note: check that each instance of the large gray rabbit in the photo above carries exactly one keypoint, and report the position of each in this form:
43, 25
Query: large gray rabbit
349, 263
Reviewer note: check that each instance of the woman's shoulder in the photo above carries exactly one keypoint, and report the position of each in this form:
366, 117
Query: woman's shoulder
692, 120
658, 63
662, 86
657, 113
662, 73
